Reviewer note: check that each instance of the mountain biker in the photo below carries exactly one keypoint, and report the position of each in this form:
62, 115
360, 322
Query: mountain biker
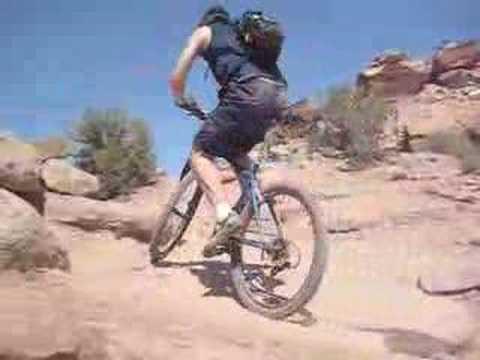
251, 96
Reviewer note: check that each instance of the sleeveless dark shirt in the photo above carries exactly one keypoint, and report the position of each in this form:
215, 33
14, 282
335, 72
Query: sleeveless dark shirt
228, 59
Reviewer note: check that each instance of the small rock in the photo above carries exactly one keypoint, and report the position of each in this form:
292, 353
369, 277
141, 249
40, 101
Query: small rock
396, 173
474, 242
474, 95
348, 166
280, 151
472, 130
432, 93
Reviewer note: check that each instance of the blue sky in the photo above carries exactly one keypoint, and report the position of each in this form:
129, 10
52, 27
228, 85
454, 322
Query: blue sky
61, 56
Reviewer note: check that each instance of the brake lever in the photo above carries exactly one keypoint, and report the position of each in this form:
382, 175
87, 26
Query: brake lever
197, 113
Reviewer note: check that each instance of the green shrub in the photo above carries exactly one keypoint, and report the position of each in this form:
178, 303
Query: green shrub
273, 137
352, 121
458, 145
116, 148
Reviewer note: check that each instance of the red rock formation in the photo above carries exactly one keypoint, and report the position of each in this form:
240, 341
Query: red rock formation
394, 74
456, 55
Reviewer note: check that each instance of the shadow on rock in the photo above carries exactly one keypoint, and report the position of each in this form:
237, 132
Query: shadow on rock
215, 277
415, 343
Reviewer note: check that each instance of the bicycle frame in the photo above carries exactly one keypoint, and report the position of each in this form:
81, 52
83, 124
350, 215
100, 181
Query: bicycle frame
250, 189
251, 199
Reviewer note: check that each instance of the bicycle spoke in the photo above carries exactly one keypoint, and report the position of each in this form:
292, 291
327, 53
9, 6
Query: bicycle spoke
258, 244
176, 221
270, 294
180, 214
265, 291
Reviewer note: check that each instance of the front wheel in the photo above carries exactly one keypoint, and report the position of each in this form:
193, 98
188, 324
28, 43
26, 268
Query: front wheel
279, 262
175, 218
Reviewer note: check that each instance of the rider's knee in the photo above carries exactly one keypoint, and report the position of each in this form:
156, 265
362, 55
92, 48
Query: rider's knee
199, 153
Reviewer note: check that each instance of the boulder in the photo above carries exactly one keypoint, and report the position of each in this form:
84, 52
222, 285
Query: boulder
61, 177
25, 241
19, 166
394, 74
459, 78
123, 219
456, 55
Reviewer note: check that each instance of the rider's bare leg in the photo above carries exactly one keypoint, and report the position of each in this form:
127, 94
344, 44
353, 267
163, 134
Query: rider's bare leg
210, 181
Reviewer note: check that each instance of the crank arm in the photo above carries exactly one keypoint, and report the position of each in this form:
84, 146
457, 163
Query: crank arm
259, 245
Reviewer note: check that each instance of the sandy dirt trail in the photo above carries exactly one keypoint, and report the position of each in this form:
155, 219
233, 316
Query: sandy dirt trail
115, 305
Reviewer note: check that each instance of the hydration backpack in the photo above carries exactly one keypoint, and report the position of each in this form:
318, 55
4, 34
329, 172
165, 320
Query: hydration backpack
262, 36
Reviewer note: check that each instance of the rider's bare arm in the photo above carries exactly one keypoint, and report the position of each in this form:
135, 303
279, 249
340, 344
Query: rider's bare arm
199, 41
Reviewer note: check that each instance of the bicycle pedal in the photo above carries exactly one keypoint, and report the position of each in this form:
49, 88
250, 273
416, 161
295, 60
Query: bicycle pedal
221, 250
218, 250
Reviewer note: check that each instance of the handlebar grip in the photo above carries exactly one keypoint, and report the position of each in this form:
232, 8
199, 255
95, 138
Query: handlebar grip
192, 108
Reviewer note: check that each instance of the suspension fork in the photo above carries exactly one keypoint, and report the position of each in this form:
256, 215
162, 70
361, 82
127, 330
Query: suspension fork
253, 197
250, 190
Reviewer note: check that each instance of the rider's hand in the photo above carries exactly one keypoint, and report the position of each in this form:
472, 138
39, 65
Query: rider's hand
185, 102
190, 105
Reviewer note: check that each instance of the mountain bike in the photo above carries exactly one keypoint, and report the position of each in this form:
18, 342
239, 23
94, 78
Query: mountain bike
269, 251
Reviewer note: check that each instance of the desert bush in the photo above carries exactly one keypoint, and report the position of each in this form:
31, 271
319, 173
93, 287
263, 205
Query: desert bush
116, 148
273, 138
352, 121
456, 144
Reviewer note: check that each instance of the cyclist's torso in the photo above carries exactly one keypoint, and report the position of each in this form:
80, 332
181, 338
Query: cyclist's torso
228, 59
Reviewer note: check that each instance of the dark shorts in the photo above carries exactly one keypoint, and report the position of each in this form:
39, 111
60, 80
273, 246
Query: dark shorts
243, 116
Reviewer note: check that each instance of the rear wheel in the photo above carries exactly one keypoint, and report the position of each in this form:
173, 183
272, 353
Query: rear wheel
175, 218
281, 278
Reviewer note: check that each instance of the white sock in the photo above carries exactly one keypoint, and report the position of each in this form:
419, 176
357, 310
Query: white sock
222, 211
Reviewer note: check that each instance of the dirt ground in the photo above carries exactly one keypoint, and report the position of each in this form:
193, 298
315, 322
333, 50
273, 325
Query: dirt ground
384, 235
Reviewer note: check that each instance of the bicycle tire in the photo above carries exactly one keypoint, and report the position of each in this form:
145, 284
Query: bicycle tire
158, 234
319, 258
